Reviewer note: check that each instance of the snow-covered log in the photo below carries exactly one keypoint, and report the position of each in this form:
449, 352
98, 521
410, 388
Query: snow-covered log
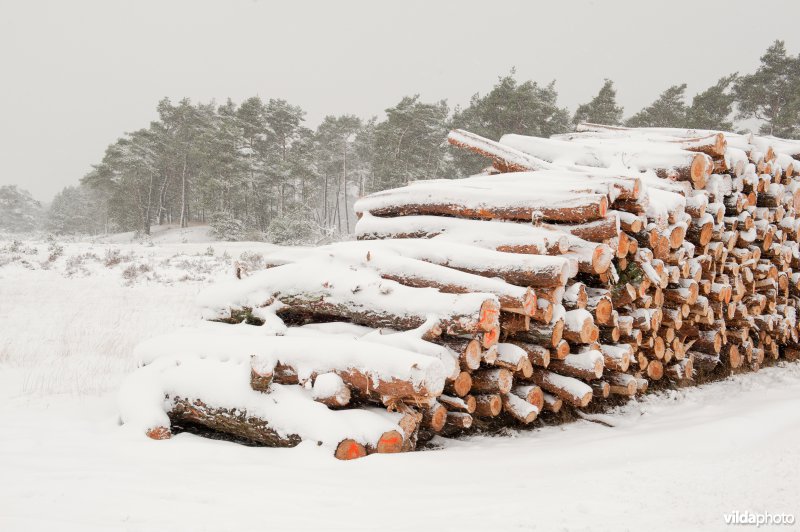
504, 158
216, 394
569, 389
491, 234
665, 160
519, 269
486, 201
332, 288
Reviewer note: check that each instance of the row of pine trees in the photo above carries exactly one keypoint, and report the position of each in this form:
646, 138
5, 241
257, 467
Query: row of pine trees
255, 170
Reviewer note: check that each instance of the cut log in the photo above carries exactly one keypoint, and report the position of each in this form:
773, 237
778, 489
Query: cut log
484, 201
329, 389
461, 385
234, 422
571, 390
552, 403
496, 381
497, 235
587, 365
655, 370
356, 294
468, 350
519, 409
504, 158
458, 421
514, 359
546, 335
349, 449
680, 370
617, 357
537, 355
622, 383
434, 417
530, 393
458, 404
579, 327
367, 382
600, 389
488, 405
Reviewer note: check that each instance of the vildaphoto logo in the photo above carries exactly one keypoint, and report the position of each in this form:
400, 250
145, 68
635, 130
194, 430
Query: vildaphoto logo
758, 518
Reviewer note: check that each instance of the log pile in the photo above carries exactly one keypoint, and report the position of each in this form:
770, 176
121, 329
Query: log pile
575, 272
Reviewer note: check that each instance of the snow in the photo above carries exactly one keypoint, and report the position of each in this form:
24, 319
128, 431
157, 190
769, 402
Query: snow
626, 153
477, 196
307, 355
339, 283
289, 410
327, 385
67, 464
389, 255
489, 234
510, 353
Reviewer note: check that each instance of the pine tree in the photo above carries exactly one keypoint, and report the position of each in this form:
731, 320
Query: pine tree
410, 143
669, 110
19, 212
602, 109
73, 211
712, 108
771, 93
510, 107
336, 160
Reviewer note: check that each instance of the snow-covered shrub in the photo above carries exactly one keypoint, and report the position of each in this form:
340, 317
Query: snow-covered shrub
112, 258
54, 249
293, 228
225, 227
251, 261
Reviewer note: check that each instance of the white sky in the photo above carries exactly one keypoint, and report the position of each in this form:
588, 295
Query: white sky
75, 75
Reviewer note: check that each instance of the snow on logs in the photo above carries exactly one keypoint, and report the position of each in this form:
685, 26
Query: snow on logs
334, 289
484, 201
215, 394
581, 268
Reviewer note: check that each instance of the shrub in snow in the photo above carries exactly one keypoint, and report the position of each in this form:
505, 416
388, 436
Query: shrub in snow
225, 227
112, 258
54, 249
295, 227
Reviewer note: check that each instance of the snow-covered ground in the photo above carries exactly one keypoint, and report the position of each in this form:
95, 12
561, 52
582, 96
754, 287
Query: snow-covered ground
67, 327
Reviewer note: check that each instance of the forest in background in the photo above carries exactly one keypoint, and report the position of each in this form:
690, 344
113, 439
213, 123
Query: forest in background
254, 171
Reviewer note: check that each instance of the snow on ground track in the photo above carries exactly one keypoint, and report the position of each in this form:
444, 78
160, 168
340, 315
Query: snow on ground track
668, 464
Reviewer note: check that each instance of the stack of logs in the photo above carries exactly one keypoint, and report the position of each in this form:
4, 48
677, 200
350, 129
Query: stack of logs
601, 263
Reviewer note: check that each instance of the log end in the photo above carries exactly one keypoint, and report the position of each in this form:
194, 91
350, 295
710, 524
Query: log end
471, 356
655, 370
489, 315
529, 303
349, 449
601, 259
700, 170
462, 384
603, 311
491, 337
392, 441
159, 433
561, 350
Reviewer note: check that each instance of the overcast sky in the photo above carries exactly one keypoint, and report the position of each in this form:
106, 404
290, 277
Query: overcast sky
75, 75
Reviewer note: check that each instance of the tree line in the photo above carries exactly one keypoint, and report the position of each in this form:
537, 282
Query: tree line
255, 170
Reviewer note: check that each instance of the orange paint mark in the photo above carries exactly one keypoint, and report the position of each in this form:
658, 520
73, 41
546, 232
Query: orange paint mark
391, 441
489, 316
490, 338
353, 451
